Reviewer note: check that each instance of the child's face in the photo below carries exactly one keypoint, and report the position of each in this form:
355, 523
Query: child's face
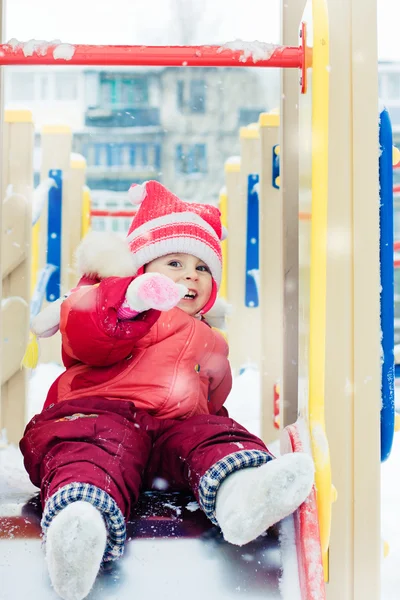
192, 272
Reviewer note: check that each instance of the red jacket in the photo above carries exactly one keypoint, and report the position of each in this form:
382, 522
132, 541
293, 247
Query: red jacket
169, 364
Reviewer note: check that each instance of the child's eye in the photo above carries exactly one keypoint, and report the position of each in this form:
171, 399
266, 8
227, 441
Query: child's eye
203, 268
174, 263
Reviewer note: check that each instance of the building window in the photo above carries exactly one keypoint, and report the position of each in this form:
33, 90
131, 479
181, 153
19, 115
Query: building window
134, 91
249, 115
191, 159
22, 87
125, 155
380, 85
108, 91
66, 86
180, 95
137, 155
101, 155
90, 154
393, 89
123, 91
44, 87
193, 98
396, 176
198, 96
98, 224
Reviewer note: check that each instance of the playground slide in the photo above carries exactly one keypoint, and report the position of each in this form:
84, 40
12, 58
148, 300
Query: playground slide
170, 536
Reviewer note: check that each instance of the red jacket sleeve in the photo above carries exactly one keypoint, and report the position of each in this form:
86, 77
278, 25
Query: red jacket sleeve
219, 394
221, 380
92, 333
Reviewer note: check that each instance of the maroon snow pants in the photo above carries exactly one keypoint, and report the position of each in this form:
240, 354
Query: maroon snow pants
122, 450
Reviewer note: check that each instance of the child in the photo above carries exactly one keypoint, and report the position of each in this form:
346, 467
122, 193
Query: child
142, 397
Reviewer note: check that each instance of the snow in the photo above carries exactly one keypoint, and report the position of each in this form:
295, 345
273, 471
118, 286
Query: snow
192, 506
40, 196
256, 188
288, 583
64, 52
255, 274
41, 47
390, 503
251, 50
243, 405
233, 160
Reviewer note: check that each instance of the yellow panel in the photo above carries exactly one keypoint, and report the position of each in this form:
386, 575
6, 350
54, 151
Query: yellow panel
250, 132
396, 155
35, 255
86, 205
18, 116
269, 119
223, 207
397, 422
56, 129
319, 203
78, 163
232, 166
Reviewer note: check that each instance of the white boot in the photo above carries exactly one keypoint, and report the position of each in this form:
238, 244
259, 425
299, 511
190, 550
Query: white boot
251, 500
75, 545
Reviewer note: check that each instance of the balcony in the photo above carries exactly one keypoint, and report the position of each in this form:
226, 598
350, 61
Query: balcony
97, 116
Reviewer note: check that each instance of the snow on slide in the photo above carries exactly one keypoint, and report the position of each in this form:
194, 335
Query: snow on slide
166, 530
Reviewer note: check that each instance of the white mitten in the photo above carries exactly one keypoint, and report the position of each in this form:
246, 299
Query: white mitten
47, 322
153, 290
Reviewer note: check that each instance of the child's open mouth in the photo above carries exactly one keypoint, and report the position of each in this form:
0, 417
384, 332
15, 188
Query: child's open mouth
191, 295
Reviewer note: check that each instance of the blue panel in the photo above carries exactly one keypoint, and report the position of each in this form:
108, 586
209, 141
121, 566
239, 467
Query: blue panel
252, 243
40, 290
54, 225
275, 166
387, 282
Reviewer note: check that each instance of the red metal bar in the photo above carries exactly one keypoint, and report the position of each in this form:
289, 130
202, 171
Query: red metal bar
178, 56
307, 532
396, 246
108, 213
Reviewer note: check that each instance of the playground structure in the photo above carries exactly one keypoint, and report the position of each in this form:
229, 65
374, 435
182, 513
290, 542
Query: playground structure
40, 228
307, 316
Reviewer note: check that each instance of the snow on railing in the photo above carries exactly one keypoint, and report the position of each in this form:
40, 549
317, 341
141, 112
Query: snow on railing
232, 54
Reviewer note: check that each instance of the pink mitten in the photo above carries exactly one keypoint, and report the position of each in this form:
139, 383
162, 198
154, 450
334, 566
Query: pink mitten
151, 290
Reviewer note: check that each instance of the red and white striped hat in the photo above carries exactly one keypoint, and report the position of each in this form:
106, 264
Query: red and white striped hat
164, 224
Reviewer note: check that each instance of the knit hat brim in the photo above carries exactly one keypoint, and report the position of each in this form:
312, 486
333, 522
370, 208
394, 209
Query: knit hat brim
177, 233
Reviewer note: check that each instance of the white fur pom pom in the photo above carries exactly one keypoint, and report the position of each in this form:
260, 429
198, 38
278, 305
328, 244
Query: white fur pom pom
224, 233
137, 193
105, 254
